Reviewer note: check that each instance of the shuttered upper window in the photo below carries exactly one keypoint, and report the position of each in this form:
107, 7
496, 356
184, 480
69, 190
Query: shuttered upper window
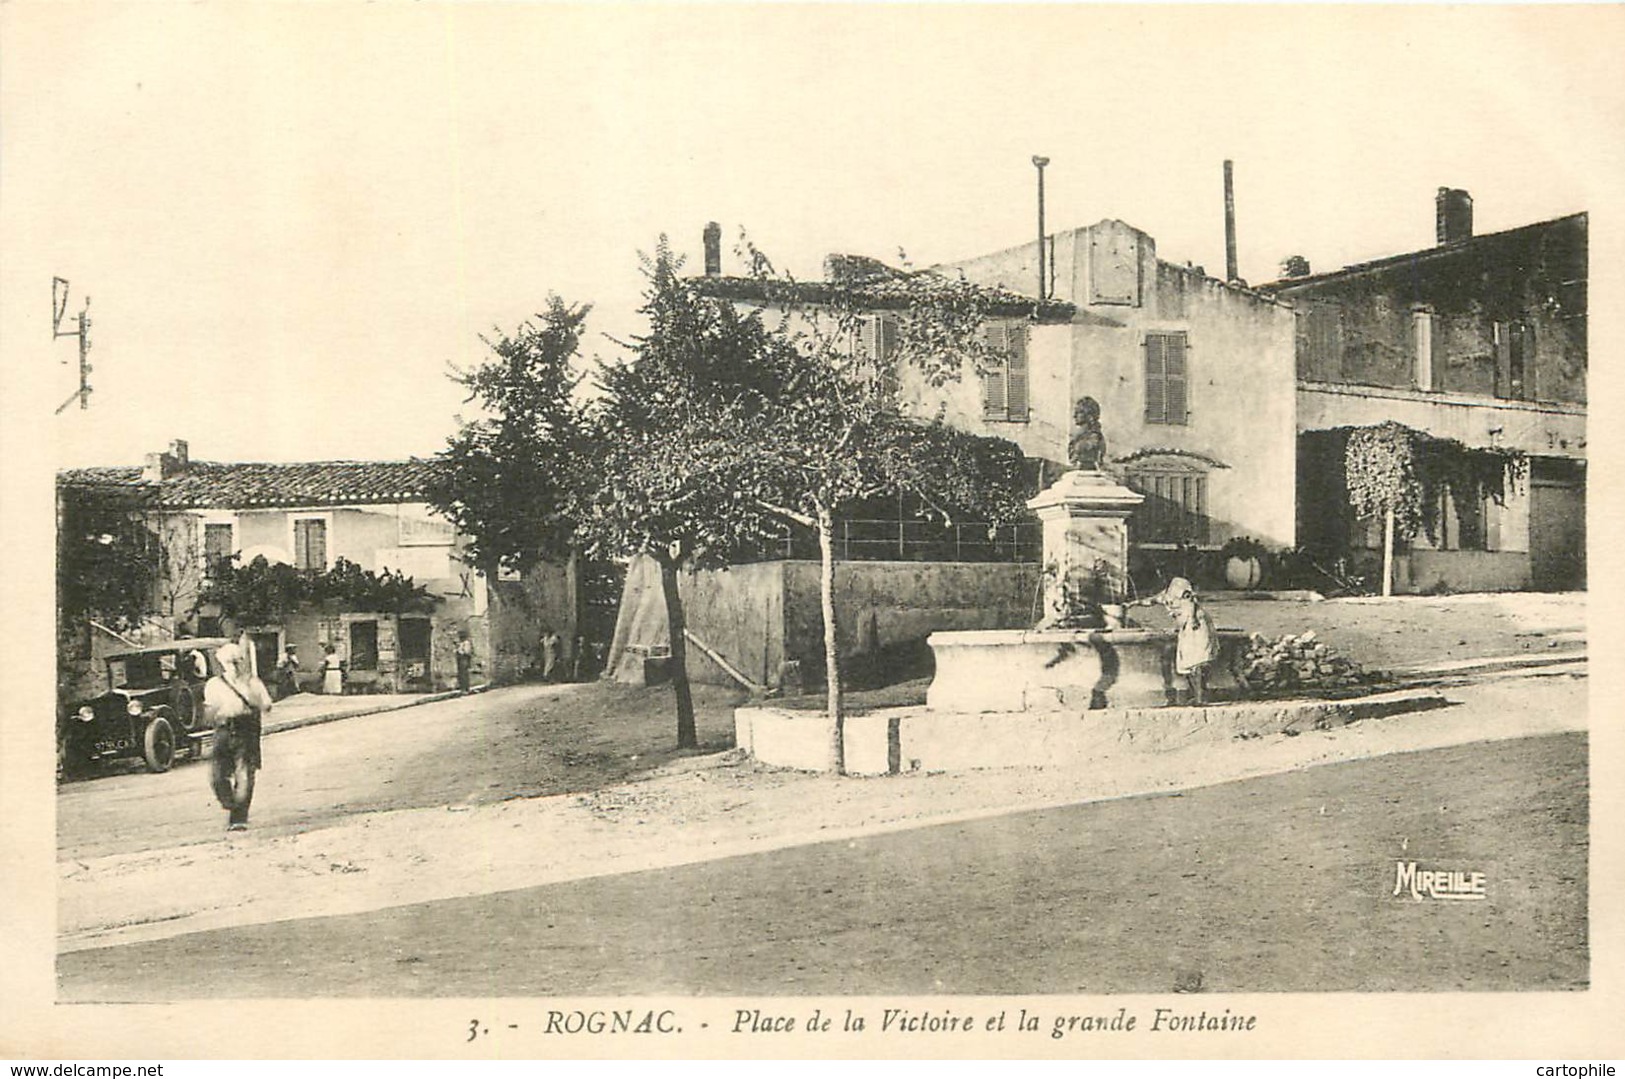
217, 546
877, 346
310, 543
1004, 387
1166, 399
1514, 361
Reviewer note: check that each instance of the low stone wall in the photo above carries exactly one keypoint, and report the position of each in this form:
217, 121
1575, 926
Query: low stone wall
917, 739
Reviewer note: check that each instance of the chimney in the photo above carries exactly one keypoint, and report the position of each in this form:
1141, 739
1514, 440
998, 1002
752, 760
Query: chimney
1452, 215
162, 466
713, 249
1231, 273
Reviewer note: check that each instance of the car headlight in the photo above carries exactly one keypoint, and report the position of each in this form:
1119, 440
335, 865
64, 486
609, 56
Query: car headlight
134, 708
86, 714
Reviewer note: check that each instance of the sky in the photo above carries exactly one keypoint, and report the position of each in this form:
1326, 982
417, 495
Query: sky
291, 219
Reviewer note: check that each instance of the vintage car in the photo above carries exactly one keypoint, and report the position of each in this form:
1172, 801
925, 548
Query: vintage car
153, 708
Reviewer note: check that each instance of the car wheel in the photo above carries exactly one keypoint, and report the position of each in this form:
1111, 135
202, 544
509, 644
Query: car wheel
159, 745
185, 709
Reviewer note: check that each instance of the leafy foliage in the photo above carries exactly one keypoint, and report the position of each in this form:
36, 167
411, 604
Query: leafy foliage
668, 430
1393, 466
263, 592
109, 560
506, 480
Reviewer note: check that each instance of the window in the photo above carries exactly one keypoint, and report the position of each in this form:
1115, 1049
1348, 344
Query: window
1175, 506
363, 646
310, 543
1004, 387
1165, 378
218, 547
1514, 361
1322, 343
1464, 524
877, 346
1422, 327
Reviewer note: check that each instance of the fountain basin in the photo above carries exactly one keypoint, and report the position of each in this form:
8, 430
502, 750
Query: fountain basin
1042, 670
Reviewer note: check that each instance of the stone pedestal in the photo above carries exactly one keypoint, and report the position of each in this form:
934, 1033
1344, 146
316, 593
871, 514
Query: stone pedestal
1085, 518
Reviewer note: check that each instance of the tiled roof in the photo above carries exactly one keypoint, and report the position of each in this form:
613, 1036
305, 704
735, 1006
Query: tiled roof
219, 485
1474, 244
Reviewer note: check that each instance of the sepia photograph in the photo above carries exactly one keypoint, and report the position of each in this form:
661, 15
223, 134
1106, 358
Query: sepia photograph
915, 530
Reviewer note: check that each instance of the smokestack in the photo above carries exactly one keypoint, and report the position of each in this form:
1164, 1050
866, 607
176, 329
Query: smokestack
713, 249
1452, 215
1231, 273
1040, 162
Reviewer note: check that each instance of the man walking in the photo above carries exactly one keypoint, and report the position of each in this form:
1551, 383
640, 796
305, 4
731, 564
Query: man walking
235, 702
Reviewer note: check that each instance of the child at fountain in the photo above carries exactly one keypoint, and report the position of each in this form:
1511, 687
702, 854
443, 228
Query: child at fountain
1197, 640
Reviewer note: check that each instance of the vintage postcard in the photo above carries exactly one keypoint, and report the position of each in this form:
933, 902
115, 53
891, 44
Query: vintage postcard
735, 531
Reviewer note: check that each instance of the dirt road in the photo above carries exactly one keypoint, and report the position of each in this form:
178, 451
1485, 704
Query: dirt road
1279, 883
518, 742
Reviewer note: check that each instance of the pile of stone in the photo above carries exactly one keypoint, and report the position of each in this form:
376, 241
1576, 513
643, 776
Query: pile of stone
1298, 661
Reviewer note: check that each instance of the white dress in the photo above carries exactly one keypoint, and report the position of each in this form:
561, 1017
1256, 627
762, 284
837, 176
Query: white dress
332, 676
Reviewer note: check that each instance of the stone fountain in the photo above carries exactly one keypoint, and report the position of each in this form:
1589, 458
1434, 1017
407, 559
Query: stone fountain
1083, 654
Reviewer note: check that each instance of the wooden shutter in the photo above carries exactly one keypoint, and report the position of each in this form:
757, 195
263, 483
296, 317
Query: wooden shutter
1156, 410
886, 343
995, 396
1501, 336
1016, 374
1521, 361
1175, 381
216, 546
310, 544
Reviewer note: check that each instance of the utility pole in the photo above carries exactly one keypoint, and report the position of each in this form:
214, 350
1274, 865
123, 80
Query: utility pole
1039, 163
59, 307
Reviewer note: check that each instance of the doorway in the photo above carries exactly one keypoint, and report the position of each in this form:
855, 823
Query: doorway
267, 651
414, 642
1557, 525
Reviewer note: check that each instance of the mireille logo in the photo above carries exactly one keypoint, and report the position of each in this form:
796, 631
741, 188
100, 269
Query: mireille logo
1437, 883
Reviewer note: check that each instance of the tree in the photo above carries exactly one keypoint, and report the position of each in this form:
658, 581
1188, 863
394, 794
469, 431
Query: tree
506, 480
831, 432
1400, 474
666, 429
109, 559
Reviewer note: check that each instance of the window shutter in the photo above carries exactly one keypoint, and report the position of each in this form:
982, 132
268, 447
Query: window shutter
1155, 380
995, 399
1016, 374
1503, 358
310, 545
1174, 372
1520, 361
886, 341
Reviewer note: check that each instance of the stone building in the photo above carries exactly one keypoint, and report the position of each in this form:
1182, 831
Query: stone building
1193, 376
312, 514
1480, 339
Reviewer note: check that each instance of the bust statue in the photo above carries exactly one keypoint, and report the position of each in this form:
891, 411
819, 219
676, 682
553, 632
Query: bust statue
1087, 449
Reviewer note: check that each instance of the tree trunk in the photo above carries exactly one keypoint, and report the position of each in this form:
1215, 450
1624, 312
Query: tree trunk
686, 735
1388, 552
832, 652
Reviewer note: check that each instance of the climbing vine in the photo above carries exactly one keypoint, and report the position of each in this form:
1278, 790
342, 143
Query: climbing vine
1391, 466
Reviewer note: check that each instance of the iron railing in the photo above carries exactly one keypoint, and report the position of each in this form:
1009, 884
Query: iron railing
868, 540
